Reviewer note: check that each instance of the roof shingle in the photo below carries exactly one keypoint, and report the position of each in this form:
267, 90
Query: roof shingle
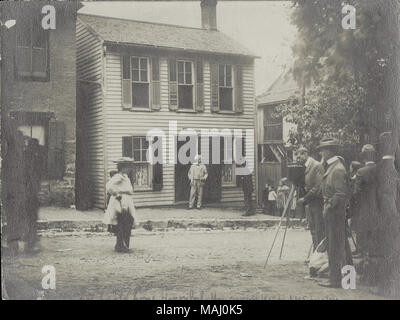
125, 31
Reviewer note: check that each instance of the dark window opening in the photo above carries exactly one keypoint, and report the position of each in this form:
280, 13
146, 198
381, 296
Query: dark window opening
225, 87
32, 50
140, 95
185, 84
272, 125
185, 94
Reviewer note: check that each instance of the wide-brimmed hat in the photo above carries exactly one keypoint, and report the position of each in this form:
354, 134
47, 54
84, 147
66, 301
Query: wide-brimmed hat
124, 160
328, 143
368, 148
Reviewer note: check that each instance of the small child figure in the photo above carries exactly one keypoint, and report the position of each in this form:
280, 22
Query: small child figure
266, 191
272, 201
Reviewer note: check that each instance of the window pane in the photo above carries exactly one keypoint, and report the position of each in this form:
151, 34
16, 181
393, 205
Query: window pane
143, 76
140, 94
145, 144
227, 173
135, 75
225, 98
141, 175
126, 66
188, 66
221, 75
136, 143
136, 155
135, 63
180, 66
228, 78
185, 94
143, 64
188, 78
181, 78
144, 155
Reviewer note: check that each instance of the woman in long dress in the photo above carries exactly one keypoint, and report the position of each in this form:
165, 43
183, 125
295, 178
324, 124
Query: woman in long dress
120, 213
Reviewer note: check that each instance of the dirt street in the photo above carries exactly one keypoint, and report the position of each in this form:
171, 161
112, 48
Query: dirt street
177, 264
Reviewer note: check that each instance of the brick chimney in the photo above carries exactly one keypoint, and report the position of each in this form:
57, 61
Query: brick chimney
209, 14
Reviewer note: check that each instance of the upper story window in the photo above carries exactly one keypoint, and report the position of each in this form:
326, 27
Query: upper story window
32, 50
140, 82
185, 84
225, 87
273, 130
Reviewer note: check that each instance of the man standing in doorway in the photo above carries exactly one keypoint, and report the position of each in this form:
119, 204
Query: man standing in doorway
313, 198
335, 193
197, 176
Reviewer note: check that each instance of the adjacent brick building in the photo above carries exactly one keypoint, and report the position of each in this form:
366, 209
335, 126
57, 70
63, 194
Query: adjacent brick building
39, 91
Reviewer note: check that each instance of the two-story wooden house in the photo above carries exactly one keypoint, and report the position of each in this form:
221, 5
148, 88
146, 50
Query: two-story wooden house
272, 132
38, 70
136, 76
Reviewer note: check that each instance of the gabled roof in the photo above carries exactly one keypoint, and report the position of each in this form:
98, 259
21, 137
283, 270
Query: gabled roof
281, 90
124, 31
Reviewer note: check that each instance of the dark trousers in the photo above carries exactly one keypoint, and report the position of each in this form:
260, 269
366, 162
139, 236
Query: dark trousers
335, 227
316, 221
123, 231
248, 202
32, 210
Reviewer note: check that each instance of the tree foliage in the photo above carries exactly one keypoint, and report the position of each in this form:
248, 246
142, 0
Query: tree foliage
345, 69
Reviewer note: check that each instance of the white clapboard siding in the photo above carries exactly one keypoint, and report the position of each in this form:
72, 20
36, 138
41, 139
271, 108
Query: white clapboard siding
121, 123
90, 76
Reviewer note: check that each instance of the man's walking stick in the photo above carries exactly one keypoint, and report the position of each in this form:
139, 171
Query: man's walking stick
279, 225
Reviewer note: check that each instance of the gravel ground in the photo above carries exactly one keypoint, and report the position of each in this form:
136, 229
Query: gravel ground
179, 264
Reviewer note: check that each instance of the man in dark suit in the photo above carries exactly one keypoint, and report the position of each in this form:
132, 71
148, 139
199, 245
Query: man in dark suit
335, 192
313, 198
365, 219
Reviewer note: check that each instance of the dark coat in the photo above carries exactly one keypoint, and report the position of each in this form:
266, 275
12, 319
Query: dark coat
246, 182
313, 179
335, 185
365, 214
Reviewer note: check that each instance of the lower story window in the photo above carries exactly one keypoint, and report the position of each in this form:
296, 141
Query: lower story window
141, 172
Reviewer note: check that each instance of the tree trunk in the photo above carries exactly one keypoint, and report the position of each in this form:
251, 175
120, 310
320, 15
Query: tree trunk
389, 150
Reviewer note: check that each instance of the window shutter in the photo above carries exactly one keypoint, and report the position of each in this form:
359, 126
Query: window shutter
173, 86
126, 83
56, 161
155, 84
214, 87
199, 86
127, 150
239, 89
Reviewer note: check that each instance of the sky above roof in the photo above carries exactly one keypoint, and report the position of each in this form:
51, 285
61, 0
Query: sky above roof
261, 26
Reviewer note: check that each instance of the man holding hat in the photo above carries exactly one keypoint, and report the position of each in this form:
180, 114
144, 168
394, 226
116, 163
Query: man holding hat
365, 219
335, 193
197, 176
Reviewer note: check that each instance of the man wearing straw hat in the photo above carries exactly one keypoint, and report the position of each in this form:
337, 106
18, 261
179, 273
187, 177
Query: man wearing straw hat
197, 176
335, 191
